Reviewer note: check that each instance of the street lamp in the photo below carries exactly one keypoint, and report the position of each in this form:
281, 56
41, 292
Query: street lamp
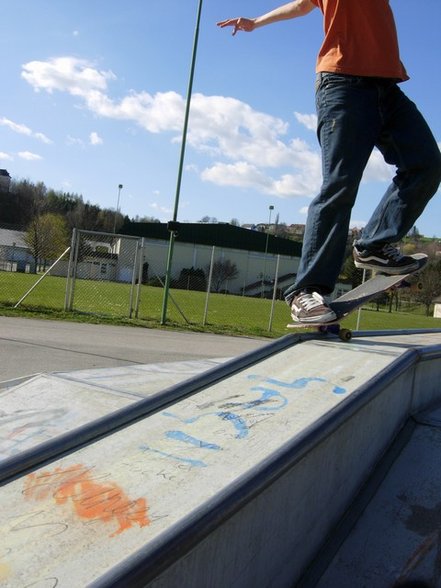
271, 208
120, 187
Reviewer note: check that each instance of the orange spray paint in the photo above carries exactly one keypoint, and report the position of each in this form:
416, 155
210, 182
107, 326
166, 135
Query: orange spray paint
91, 498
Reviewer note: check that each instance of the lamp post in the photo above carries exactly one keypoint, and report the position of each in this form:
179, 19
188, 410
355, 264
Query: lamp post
174, 224
271, 208
120, 187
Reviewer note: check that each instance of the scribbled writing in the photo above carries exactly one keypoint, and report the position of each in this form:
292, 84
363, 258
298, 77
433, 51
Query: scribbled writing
91, 498
22, 429
240, 413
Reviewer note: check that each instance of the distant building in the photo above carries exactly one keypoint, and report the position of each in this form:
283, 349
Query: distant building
5, 180
437, 308
15, 255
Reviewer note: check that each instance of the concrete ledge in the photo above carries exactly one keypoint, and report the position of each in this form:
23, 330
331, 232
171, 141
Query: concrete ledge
235, 482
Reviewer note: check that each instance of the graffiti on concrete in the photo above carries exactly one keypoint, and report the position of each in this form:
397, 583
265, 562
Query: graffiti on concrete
91, 497
234, 416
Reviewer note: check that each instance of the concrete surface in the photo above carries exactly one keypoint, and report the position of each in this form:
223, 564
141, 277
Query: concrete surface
32, 346
237, 485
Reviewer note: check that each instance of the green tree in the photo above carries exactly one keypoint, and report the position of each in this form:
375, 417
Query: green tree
47, 236
428, 285
351, 273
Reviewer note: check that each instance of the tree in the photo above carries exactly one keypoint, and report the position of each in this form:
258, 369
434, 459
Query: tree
351, 273
428, 286
47, 237
223, 270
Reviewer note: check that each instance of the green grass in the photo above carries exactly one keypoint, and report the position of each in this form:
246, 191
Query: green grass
108, 302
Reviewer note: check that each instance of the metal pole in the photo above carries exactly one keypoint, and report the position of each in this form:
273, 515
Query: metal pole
181, 166
69, 270
262, 290
210, 276
359, 310
120, 187
276, 280
140, 272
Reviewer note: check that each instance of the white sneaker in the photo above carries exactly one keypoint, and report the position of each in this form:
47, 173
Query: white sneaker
310, 307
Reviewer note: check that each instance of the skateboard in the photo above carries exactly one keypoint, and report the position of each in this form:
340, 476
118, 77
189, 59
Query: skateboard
350, 301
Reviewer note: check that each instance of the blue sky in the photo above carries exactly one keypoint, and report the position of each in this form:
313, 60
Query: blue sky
93, 96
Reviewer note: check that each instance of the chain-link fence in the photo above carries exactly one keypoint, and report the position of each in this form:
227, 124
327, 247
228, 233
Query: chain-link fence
122, 276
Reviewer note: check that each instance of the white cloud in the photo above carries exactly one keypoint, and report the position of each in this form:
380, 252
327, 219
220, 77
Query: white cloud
159, 208
66, 74
377, 170
252, 149
29, 156
5, 156
307, 120
23, 130
95, 139
241, 174
74, 141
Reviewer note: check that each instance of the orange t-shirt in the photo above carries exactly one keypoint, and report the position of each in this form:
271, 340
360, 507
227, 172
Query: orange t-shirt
360, 39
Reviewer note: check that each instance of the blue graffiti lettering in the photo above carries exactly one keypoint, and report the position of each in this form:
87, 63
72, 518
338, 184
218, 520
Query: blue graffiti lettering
297, 384
184, 438
192, 462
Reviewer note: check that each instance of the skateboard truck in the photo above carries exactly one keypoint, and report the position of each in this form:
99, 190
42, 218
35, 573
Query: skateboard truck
326, 328
334, 329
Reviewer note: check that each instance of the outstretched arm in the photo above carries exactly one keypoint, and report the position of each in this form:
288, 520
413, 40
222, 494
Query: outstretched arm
284, 12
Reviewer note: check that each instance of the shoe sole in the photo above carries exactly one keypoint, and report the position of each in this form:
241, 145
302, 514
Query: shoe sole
327, 318
390, 271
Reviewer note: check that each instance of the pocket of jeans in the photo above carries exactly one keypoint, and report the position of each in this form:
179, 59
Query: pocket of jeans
331, 79
318, 82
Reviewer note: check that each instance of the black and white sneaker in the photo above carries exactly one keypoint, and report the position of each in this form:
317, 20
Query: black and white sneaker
387, 260
310, 307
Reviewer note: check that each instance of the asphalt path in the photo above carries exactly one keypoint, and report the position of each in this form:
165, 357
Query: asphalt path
32, 346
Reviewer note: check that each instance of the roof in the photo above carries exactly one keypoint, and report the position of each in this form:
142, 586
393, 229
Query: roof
10, 238
216, 234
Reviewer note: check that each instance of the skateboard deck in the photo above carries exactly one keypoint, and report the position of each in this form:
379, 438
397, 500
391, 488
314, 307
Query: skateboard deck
350, 301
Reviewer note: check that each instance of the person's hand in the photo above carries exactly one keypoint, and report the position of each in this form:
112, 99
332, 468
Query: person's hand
238, 24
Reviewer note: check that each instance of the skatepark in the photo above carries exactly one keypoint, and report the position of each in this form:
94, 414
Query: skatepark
210, 461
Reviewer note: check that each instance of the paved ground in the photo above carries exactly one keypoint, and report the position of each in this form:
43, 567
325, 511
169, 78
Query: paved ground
31, 346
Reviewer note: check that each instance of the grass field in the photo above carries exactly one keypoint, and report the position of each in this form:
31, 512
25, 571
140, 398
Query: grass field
109, 302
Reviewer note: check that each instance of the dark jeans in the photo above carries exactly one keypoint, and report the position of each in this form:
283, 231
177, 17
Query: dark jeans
355, 114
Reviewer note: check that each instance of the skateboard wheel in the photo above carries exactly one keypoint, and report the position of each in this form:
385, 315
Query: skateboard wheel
345, 334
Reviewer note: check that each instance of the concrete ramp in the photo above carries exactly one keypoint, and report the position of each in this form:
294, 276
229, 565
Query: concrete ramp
234, 477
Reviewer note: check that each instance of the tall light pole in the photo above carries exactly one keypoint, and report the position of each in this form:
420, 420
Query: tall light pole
120, 187
271, 208
173, 224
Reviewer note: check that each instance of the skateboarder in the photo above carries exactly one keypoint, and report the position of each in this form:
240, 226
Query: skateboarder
359, 106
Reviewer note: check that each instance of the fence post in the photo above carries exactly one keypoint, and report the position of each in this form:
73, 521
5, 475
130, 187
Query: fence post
210, 276
276, 279
69, 269
135, 278
140, 270
74, 269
